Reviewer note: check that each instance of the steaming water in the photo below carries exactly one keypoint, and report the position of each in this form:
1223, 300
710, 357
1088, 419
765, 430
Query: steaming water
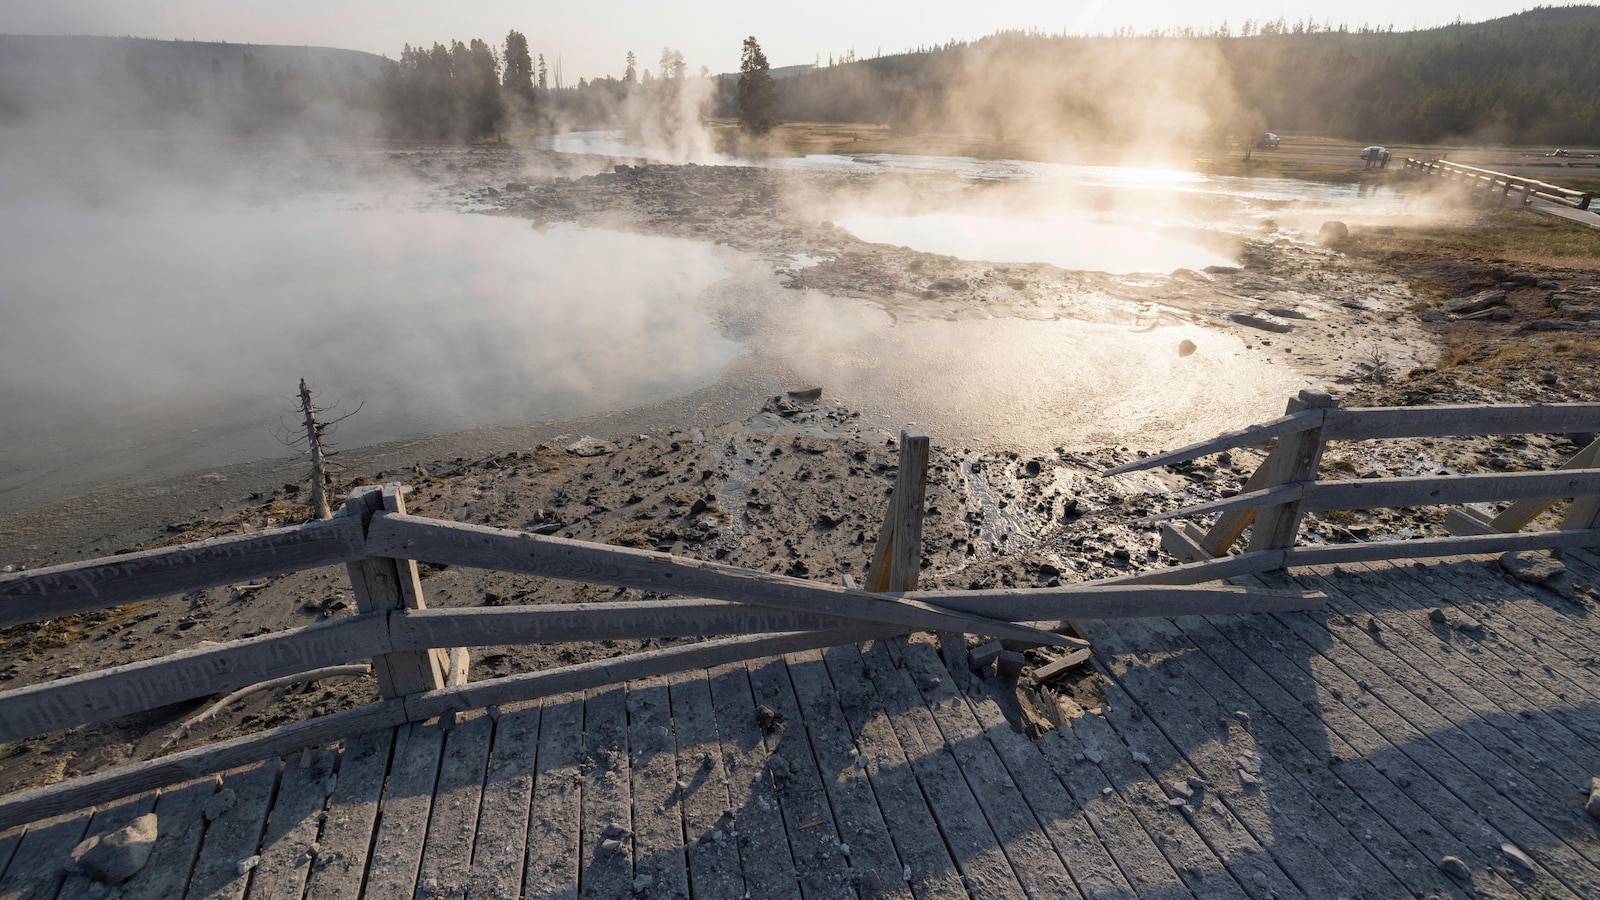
1071, 243
170, 341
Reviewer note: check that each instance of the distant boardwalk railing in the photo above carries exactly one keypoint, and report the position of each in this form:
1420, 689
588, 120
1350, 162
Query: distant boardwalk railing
1285, 487
1498, 188
418, 655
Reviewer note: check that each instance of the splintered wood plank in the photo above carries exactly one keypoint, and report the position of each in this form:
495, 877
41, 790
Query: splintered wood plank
1409, 797
347, 829
1093, 870
106, 819
553, 824
233, 838
856, 814
501, 847
658, 843
290, 843
608, 841
813, 837
1027, 848
958, 814
926, 865
769, 868
35, 870
1107, 812
447, 852
403, 816
713, 853
1350, 790
180, 825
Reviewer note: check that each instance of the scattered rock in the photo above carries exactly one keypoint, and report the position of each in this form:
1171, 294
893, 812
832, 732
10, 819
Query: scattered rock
1550, 325
590, 446
1522, 860
1455, 868
1538, 567
1332, 232
1437, 616
768, 719
1265, 323
1284, 312
948, 285
219, 803
114, 858
248, 863
806, 395
1186, 347
1592, 807
1478, 302
1487, 315
1221, 270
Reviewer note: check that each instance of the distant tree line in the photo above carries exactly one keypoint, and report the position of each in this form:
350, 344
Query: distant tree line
1530, 78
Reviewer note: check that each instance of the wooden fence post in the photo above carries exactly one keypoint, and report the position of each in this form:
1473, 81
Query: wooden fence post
1298, 456
384, 583
897, 558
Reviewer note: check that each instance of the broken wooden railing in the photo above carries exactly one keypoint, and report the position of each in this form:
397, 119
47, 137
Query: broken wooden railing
418, 654
1498, 188
1285, 487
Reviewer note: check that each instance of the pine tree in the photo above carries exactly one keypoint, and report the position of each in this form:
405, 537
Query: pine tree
758, 95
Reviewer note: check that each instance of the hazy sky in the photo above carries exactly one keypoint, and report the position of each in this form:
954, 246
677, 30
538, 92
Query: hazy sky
591, 38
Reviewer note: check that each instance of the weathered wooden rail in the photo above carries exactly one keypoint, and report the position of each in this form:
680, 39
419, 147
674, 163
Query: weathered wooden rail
1285, 487
418, 655
1499, 188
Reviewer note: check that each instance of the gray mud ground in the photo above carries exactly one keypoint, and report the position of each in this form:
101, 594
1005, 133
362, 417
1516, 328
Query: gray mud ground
729, 474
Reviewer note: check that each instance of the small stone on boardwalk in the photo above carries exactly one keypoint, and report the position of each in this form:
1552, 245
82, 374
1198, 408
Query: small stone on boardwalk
1515, 854
1437, 615
115, 857
1455, 868
1593, 806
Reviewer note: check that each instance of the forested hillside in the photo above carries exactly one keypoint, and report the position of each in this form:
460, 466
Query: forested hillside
1528, 78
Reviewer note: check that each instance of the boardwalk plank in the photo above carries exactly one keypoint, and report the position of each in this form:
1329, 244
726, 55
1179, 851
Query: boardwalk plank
1350, 792
813, 837
8, 847
769, 868
1444, 747
289, 847
180, 825
713, 854
500, 848
1532, 772
447, 851
106, 819
1248, 642
857, 817
554, 825
352, 816
35, 871
1215, 741
958, 814
659, 866
1108, 813
1088, 861
1173, 830
1401, 746
234, 838
925, 860
403, 817
1492, 660
1027, 848
607, 847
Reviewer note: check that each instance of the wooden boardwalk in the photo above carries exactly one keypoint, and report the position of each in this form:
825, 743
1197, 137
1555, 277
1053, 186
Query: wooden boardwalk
1340, 753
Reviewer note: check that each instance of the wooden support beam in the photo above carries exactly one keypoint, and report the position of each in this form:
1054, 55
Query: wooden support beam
196, 672
1460, 419
133, 577
481, 546
1520, 513
124, 781
386, 583
1245, 437
1177, 540
1296, 458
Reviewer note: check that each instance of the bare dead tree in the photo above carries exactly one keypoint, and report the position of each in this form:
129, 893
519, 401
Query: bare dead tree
313, 443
